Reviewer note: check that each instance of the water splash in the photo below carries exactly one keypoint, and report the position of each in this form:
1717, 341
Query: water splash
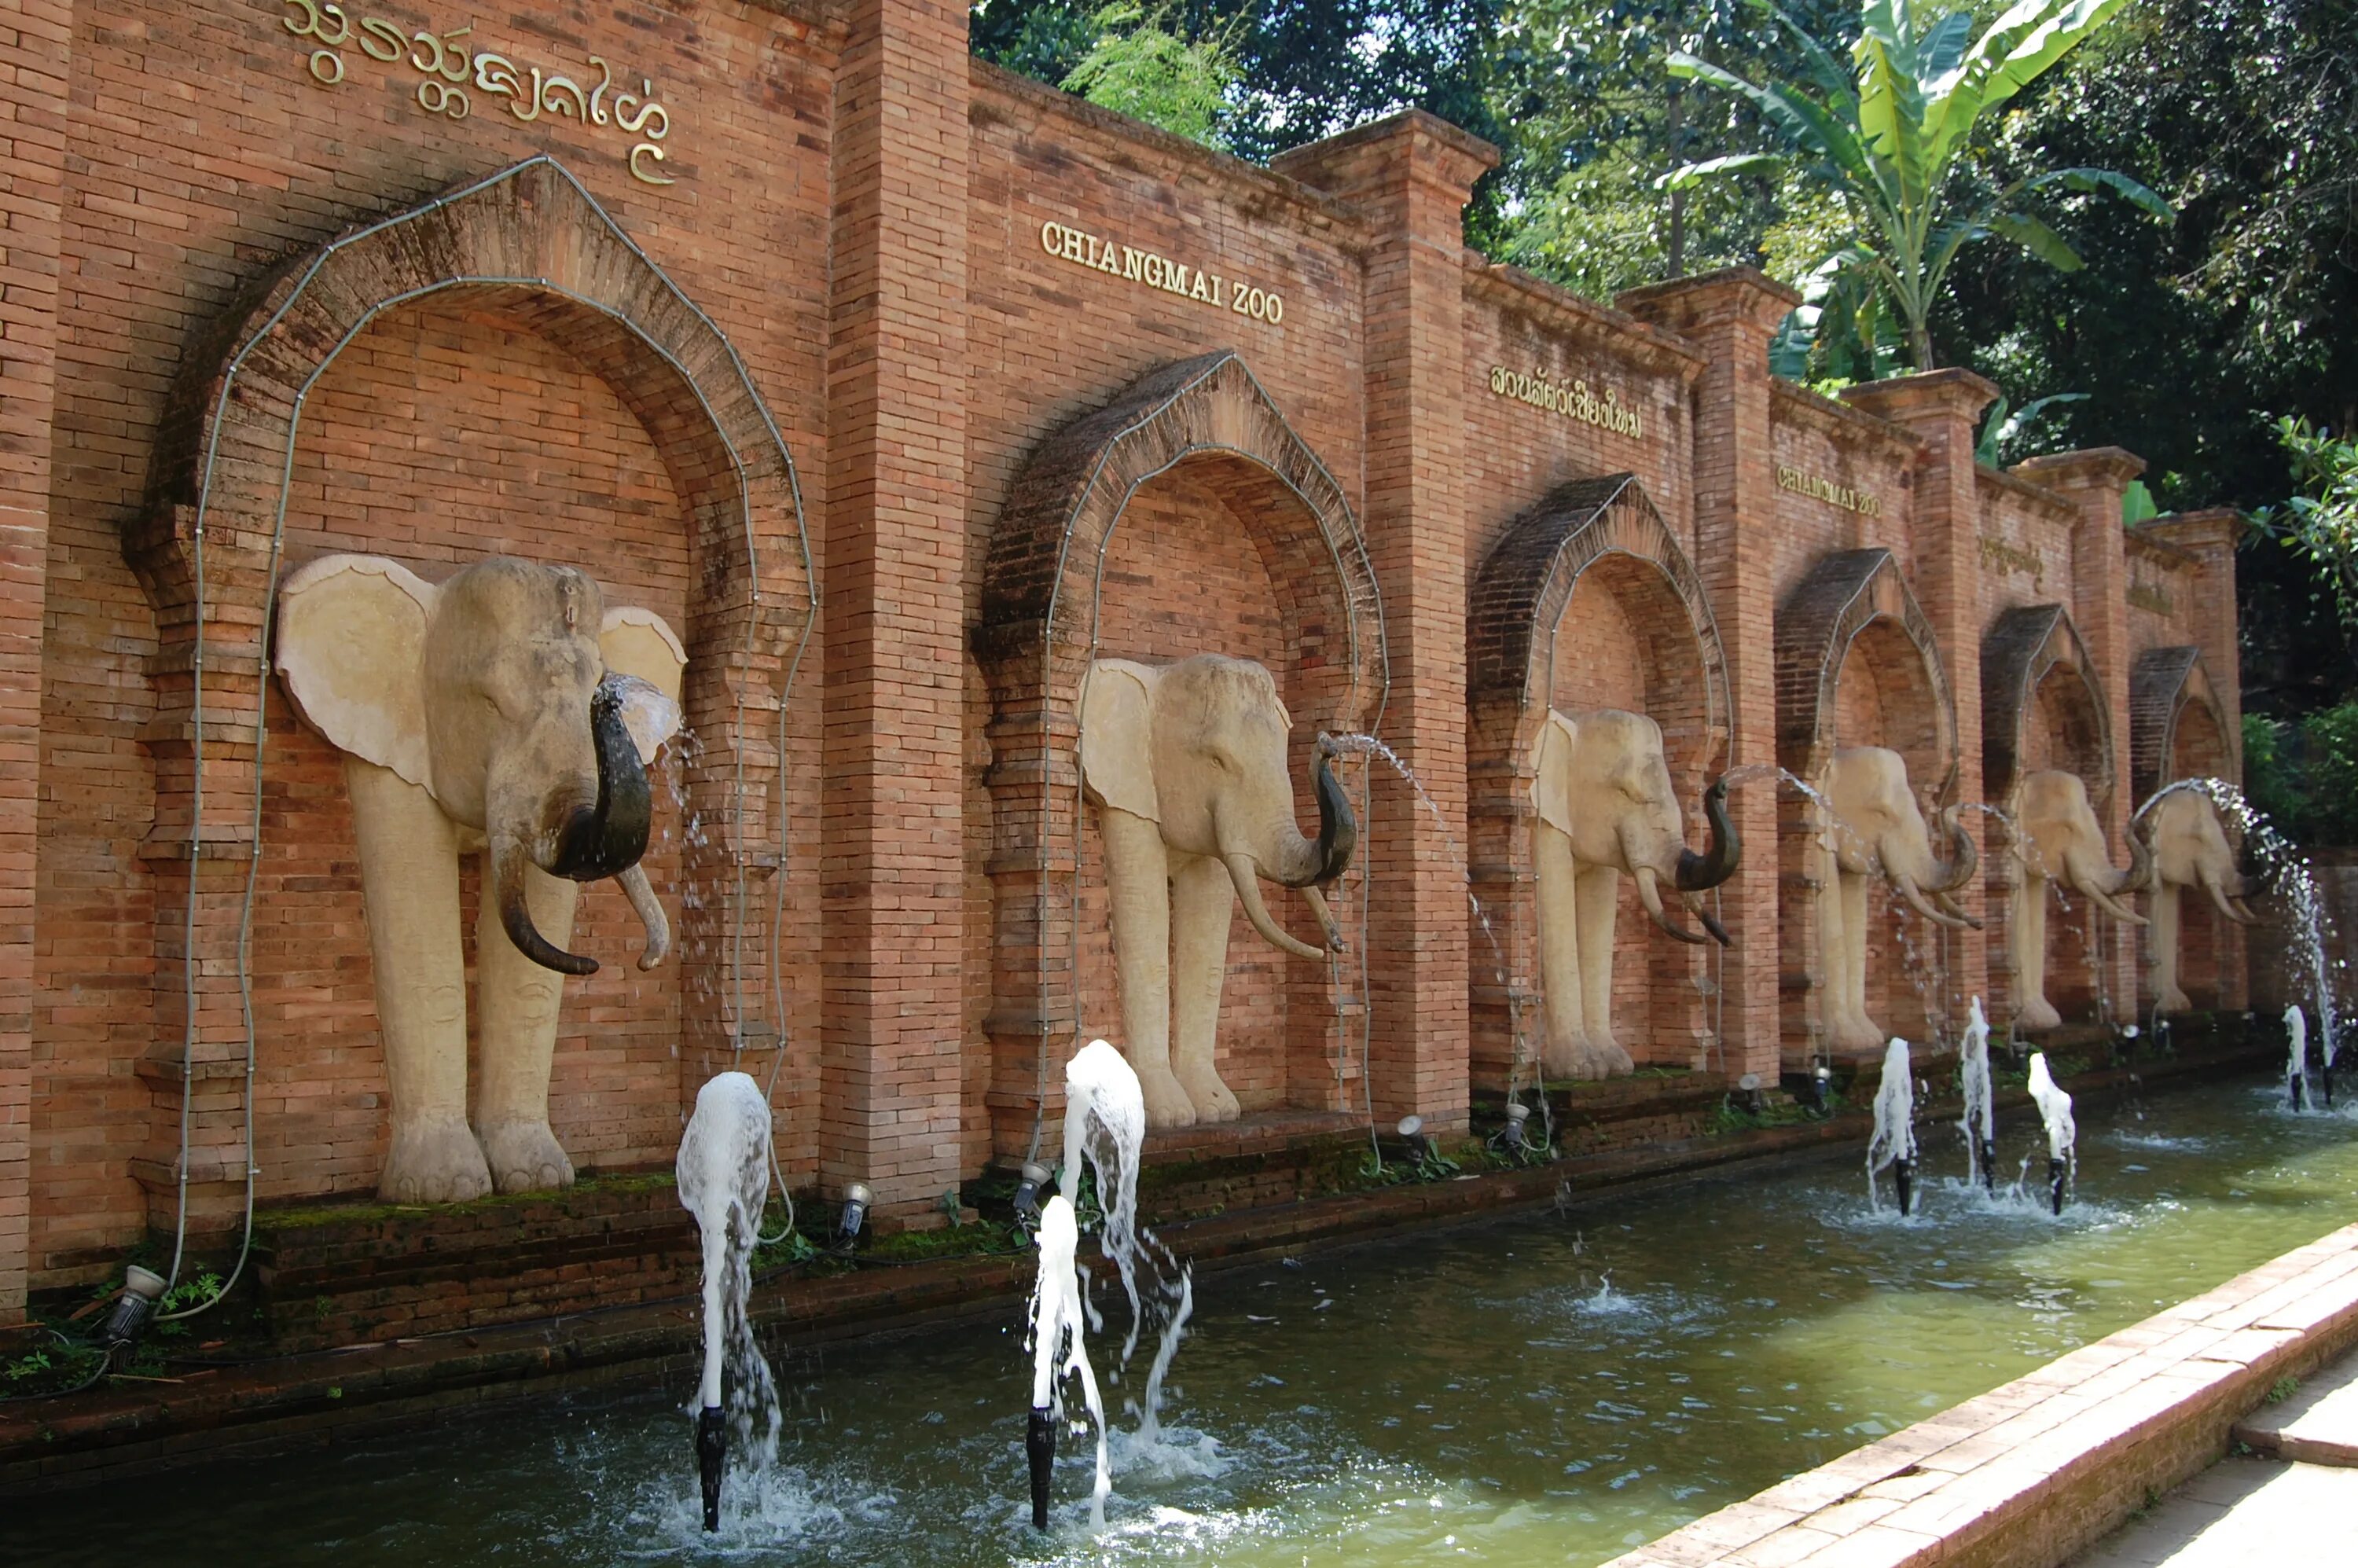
1058, 1351
1105, 1120
2063, 1132
1894, 1141
723, 1171
1979, 1122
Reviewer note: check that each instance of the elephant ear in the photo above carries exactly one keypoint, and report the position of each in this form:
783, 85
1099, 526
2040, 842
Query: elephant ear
1117, 737
636, 643
351, 632
1551, 790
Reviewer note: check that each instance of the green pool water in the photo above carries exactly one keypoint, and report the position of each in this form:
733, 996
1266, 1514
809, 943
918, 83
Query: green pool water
1550, 1388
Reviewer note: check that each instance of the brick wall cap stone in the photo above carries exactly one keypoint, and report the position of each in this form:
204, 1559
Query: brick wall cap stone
2028, 490
2089, 468
1617, 331
2160, 551
2211, 527
1744, 293
1465, 157
1953, 392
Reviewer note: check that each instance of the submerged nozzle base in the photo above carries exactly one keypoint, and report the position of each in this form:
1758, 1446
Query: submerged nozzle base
1040, 1447
2056, 1169
711, 1459
1903, 1176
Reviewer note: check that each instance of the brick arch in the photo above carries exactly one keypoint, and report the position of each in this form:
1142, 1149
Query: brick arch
1848, 595
1040, 577
1515, 608
1038, 630
1522, 592
531, 241
2163, 684
2024, 648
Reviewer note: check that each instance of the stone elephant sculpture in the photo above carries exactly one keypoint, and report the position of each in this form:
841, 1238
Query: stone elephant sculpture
2190, 848
506, 710
1606, 809
2061, 843
1186, 764
1878, 831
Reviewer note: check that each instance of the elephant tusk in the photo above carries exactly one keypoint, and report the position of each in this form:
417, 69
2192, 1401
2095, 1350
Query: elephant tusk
1948, 905
2233, 909
508, 862
1711, 924
1923, 906
649, 912
2110, 904
2247, 917
1246, 874
1650, 893
1326, 922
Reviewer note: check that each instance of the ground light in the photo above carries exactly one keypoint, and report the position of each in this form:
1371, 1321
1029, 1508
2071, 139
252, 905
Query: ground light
1748, 1086
142, 1288
1411, 1131
1033, 1178
856, 1199
1517, 1114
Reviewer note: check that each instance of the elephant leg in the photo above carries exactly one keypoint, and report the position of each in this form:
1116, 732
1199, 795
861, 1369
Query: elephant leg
409, 886
2031, 1010
1202, 900
2163, 933
1598, 894
1566, 1049
516, 1003
1137, 882
1856, 1031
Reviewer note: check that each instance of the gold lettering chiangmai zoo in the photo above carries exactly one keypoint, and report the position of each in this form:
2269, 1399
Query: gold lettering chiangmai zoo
453, 77
1084, 249
1849, 497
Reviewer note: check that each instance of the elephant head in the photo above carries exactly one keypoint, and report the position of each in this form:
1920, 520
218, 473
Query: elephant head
2190, 848
1606, 808
1187, 765
506, 708
2061, 841
1878, 831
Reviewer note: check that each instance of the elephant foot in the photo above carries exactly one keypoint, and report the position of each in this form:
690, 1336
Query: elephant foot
525, 1157
1167, 1104
2038, 1013
1856, 1034
434, 1162
2175, 1000
1213, 1099
1604, 1059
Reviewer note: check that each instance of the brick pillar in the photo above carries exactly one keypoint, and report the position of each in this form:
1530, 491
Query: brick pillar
1730, 316
1941, 409
2092, 482
2210, 536
33, 49
1411, 175
892, 864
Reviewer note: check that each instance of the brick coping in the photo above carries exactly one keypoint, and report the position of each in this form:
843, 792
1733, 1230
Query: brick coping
318, 1397
2038, 1469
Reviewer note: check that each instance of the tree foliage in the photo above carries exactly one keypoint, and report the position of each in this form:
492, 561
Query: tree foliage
1138, 66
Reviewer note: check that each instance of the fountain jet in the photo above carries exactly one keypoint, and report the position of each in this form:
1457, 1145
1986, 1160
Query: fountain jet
1894, 1143
2296, 1069
723, 1171
1979, 1123
2062, 1133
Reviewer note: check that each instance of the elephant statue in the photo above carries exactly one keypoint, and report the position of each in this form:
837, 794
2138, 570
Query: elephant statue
2189, 851
506, 710
1606, 809
1877, 831
1186, 765
2061, 842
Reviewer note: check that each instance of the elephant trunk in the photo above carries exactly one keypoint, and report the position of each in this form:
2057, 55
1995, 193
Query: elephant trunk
1908, 889
607, 839
2140, 873
1650, 893
1721, 852
510, 858
1959, 869
1246, 874
1339, 829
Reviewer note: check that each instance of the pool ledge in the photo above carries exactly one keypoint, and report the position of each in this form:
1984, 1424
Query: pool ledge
2030, 1473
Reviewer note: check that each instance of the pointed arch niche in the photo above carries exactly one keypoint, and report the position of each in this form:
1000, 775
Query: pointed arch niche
1189, 496
1856, 664
1587, 602
528, 250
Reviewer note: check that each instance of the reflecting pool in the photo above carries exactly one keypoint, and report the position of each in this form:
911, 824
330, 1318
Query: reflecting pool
1549, 1388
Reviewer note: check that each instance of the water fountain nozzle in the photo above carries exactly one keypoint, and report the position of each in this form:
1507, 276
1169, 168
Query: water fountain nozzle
2058, 1169
142, 1288
856, 1201
1039, 1448
1032, 1179
711, 1459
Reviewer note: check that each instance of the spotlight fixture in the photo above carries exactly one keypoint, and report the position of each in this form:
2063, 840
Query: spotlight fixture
856, 1199
1517, 1113
1033, 1178
142, 1288
1748, 1086
2130, 1031
1821, 1086
1411, 1131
